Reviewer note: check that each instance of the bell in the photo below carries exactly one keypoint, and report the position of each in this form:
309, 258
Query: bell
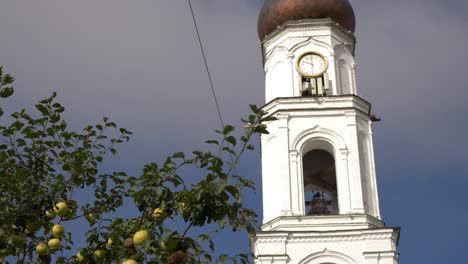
319, 205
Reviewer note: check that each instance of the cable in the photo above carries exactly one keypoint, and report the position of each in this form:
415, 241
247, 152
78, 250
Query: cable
206, 64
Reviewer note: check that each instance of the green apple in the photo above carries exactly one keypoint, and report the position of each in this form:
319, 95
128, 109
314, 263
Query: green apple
50, 214
169, 245
54, 244
42, 249
61, 208
34, 225
99, 253
91, 217
129, 261
18, 241
58, 231
140, 237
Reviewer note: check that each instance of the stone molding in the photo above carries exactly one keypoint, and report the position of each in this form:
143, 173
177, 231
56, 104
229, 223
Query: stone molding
313, 237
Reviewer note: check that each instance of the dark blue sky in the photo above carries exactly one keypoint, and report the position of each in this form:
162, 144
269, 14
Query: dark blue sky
139, 63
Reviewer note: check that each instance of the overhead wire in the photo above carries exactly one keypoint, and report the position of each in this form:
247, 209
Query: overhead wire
206, 65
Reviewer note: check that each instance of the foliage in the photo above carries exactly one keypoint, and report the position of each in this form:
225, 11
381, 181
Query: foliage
43, 165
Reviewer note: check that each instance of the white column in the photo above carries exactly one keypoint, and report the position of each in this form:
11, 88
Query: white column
294, 86
357, 205
372, 174
297, 183
342, 182
283, 166
353, 78
333, 74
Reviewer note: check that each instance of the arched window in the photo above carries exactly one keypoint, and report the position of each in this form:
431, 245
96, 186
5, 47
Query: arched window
320, 188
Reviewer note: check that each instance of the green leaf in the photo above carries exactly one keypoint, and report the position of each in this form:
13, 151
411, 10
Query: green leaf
6, 92
254, 108
54, 118
42, 109
215, 142
179, 155
113, 151
231, 140
228, 129
7, 79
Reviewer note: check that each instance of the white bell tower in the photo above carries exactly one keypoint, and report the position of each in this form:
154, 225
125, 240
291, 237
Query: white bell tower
320, 199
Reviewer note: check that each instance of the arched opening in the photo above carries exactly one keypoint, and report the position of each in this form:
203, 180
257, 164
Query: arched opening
320, 187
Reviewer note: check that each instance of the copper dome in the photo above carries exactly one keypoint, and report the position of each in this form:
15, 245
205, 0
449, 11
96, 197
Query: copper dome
276, 12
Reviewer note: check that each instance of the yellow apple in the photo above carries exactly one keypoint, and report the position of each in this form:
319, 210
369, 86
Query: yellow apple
54, 244
61, 208
58, 231
50, 214
80, 256
42, 249
129, 261
159, 214
181, 207
110, 242
140, 237
99, 253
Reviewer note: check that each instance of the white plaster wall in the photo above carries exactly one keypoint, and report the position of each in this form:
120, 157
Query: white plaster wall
342, 247
300, 129
282, 51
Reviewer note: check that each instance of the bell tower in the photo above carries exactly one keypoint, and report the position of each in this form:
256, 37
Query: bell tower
320, 199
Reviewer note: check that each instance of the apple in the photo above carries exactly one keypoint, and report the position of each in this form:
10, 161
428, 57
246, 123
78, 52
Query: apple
34, 225
42, 249
50, 214
61, 208
128, 243
170, 245
54, 244
110, 242
91, 217
129, 261
28, 233
159, 214
58, 231
18, 241
178, 257
99, 253
140, 237
80, 256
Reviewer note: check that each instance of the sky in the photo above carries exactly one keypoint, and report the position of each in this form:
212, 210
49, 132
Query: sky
139, 63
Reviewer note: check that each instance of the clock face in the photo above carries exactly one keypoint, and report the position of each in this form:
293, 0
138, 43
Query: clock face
312, 65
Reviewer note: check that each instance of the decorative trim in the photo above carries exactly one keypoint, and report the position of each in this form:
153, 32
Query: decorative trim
317, 133
327, 256
308, 24
324, 238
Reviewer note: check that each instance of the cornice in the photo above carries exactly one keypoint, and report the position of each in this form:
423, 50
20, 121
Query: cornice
321, 237
306, 24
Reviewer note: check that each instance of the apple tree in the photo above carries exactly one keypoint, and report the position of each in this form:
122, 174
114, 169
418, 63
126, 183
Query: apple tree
46, 167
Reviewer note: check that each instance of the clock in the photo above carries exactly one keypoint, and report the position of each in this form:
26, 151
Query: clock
311, 64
